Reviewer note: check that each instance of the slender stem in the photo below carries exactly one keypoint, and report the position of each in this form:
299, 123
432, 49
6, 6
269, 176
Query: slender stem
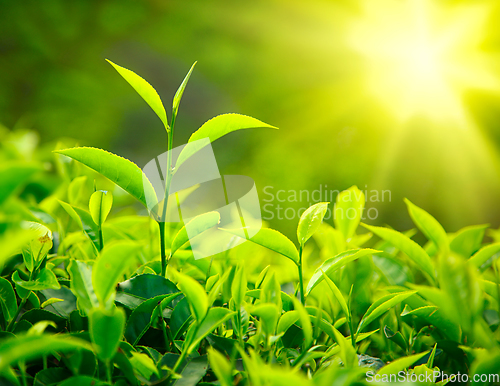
184, 351
101, 240
22, 367
301, 280
21, 305
240, 329
109, 372
161, 224
99, 228
168, 180
354, 336
299, 358
180, 360
497, 277
170, 337
172, 125
164, 329
209, 268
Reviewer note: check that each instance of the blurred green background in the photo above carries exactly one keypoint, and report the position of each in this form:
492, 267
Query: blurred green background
388, 95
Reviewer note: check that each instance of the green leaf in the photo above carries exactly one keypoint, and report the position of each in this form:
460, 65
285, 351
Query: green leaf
39, 246
134, 291
122, 361
414, 251
374, 313
286, 321
180, 91
239, 286
347, 352
310, 221
486, 364
438, 317
36, 315
335, 263
215, 317
467, 241
28, 259
145, 90
28, 347
65, 307
379, 301
429, 226
262, 275
121, 171
196, 226
395, 271
112, 263
271, 291
273, 240
106, 330
85, 222
51, 376
193, 372
460, 282
221, 367
39, 327
215, 128
396, 337
268, 313
44, 279
164, 305
180, 318
50, 301
143, 365
430, 361
100, 205
195, 294
12, 242
13, 176
140, 319
8, 303
81, 284
286, 299
338, 295
305, 323
211, 281
401, 364
83, 380
348, 211
32, 297
423, 312
482, 256
224, 345
75, 190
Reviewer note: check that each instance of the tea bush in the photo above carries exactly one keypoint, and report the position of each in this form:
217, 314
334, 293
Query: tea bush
96, 290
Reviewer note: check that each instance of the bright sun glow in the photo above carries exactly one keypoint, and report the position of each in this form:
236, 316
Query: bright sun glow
421, 57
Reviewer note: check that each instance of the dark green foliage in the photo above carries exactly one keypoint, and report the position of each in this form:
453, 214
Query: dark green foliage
92, 293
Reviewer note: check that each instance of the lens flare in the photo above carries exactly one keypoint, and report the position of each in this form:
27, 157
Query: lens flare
420, 57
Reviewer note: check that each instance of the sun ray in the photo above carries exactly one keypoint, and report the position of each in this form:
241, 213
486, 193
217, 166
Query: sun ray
420, 57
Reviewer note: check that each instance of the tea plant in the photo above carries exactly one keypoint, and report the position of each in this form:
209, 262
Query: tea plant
91, 293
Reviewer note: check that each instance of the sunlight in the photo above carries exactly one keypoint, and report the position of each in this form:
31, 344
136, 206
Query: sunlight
421, 57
